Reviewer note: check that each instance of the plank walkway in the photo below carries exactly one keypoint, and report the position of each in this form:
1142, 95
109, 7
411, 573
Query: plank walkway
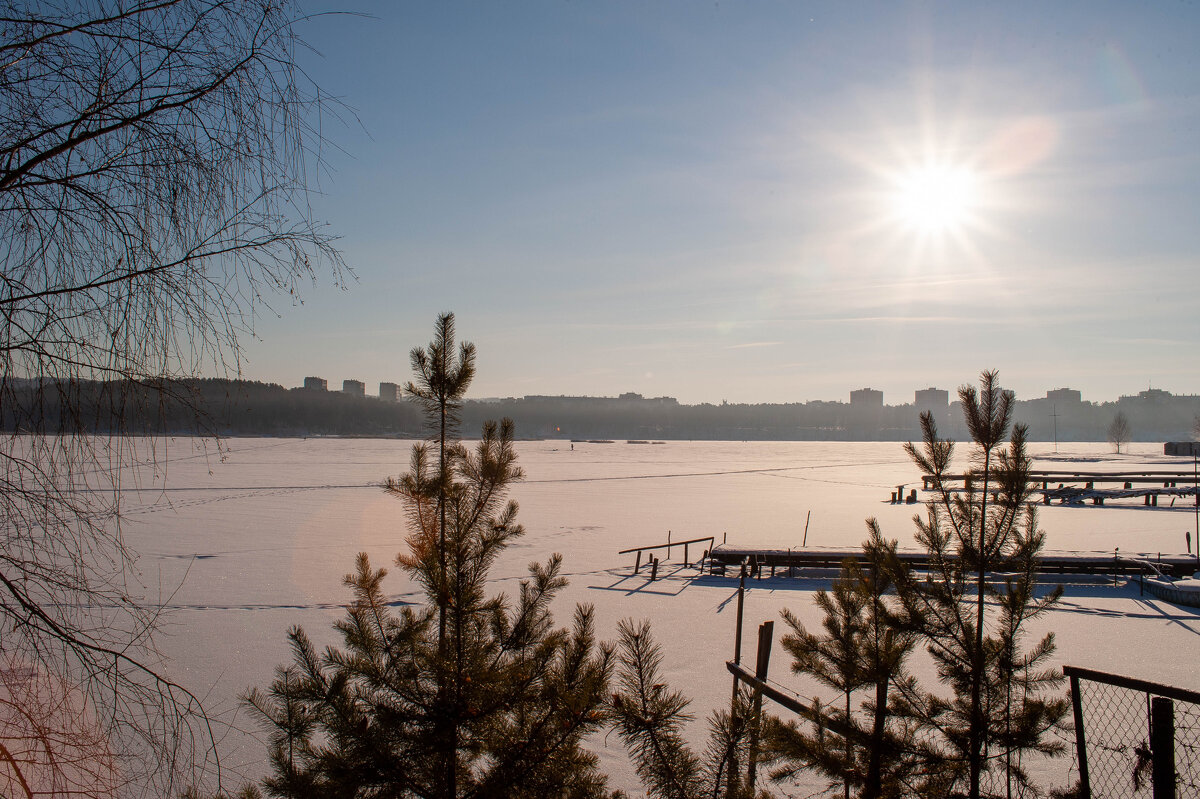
1168, 477
723, 559
1080, 487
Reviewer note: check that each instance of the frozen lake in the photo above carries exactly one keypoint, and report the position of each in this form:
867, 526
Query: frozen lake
244, 546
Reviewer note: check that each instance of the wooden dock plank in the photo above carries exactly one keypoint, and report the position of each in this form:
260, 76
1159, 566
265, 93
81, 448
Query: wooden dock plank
724, 557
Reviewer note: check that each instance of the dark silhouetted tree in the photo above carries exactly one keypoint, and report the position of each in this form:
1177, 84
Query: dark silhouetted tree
154, 159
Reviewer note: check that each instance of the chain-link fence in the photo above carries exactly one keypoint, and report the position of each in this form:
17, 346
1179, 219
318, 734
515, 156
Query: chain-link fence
1133, 737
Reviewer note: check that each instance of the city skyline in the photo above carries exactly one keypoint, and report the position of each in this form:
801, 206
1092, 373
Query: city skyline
764, 203
394, 391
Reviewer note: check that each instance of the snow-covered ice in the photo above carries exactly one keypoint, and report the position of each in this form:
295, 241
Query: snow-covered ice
242, 547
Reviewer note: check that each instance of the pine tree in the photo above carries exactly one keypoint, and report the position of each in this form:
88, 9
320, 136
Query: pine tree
988, 527
835, 660
650, 719
465, 696
863, 647
1023, 678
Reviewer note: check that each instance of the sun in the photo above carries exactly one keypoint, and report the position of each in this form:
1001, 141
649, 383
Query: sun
935, 199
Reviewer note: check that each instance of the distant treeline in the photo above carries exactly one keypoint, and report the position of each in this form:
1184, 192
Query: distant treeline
245, 408
200, 407
1157, 419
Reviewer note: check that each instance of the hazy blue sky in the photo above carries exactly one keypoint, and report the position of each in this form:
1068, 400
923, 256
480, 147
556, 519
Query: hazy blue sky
706, 200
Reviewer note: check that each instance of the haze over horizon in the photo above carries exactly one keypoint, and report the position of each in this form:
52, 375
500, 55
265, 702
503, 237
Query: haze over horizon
775, 202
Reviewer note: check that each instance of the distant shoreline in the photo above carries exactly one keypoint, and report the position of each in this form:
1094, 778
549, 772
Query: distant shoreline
237, 408
1064, 456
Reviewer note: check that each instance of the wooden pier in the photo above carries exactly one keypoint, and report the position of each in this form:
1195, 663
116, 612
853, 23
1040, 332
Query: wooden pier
794, 562
1080, 487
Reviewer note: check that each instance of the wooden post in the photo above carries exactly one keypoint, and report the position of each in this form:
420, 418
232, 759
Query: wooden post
686, 561
1162, 746
668, 544
1085, 785
765, 636
637, 564
741, 602
731, 754
654, 570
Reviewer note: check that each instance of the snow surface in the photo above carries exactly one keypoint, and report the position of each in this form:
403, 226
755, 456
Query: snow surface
242, 546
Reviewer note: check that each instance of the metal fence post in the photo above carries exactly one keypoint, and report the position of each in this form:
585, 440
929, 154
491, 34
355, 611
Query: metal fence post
1162, 746
1085, 785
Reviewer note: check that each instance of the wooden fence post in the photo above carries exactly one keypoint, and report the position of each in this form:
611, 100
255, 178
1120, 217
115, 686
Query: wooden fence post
731, 775
765, 637
741, 604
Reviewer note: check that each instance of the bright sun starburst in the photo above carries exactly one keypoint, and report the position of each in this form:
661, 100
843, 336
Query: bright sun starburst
935, 199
